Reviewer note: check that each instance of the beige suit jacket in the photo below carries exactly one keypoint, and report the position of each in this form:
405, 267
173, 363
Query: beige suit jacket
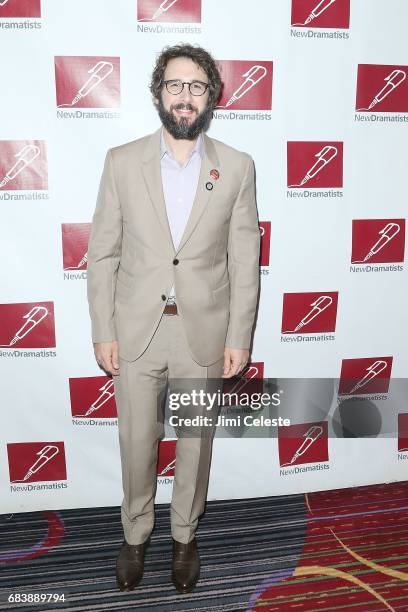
132, 262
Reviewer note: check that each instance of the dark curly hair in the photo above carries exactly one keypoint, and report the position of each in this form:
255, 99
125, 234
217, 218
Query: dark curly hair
199, 56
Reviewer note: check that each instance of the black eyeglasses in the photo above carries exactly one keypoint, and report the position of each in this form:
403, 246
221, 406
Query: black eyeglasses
176, 86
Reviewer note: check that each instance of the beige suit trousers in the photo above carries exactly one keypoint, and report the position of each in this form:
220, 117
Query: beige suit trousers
140, 389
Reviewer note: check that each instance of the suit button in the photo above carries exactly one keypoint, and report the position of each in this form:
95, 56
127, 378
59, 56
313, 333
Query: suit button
175, 261
163, 297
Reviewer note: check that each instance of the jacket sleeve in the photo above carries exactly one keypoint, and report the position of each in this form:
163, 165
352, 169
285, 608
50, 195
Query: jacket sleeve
104, 251
243, 262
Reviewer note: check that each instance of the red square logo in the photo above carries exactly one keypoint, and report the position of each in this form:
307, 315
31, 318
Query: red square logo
321, 14
247, 382
166, 462
87, 82
403, 432
309, 313
247, 85
378, 241
27, 325
20, 8
175, 11
315, 164
36, 462
382, 88
365, 375
306, 443
75, 238
93, 397
265, 229
23, 165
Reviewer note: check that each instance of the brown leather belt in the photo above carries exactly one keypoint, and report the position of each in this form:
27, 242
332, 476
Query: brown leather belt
170, 309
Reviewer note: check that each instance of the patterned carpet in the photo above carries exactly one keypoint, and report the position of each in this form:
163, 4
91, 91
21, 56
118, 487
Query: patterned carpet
336, 550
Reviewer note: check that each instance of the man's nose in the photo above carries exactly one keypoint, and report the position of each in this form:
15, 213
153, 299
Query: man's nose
185, 95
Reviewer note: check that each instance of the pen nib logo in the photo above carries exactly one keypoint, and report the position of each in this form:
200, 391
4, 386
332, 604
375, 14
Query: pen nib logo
81, 263
44, 456
373, 371
99, 72
251, 78
320, 8
393, 80
318, 306
244, 379
25, 157
107, 392
324, 157
387, 233
310, 437
167, 468
34, 317
161, 10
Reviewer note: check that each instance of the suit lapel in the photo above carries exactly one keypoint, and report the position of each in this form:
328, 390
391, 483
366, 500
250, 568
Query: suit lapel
151, 169
203, 195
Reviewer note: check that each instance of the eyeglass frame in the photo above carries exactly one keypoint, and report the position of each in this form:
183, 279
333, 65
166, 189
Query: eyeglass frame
189, 83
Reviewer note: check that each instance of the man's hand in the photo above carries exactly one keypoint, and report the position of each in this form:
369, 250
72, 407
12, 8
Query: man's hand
107, 355
234, 361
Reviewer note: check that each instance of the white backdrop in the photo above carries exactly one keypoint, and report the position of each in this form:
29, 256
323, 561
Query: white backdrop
302, 110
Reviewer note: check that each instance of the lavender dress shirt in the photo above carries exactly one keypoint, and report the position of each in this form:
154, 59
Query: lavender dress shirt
179, 188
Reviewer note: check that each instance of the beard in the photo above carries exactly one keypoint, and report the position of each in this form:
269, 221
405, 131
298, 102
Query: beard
183, 128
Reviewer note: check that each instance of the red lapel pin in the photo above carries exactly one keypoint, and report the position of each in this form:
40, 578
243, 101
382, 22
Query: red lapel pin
214, 174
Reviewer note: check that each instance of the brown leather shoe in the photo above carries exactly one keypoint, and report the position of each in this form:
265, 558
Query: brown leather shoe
185, 570
129, 565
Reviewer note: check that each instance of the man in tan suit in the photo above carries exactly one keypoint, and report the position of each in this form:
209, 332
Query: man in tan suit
173, 275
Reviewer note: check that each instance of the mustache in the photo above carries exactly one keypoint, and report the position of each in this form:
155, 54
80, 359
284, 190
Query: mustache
183, 106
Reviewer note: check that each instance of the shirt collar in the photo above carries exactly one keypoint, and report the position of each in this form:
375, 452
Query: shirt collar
198, 147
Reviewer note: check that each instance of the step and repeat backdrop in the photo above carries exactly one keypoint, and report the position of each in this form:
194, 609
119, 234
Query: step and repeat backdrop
317, 93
